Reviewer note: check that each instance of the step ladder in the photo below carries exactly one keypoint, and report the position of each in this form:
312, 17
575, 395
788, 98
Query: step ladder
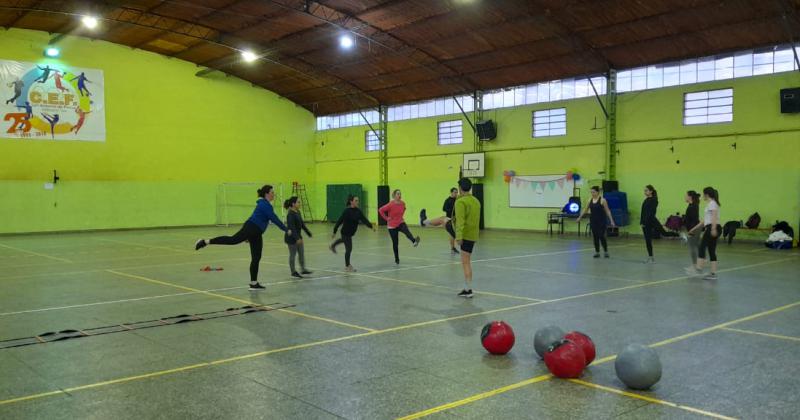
299, 190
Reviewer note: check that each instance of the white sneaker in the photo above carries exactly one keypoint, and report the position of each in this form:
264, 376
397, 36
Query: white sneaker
692, 271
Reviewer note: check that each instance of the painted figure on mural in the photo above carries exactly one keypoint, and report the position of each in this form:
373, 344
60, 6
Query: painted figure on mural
58, 77
81, 119
53, 120
45, 74
17, 85
81, 78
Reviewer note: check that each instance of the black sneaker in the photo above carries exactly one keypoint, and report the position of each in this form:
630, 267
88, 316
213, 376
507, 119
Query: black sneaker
397, 262
256, 287
297, 275
455, 251
606, 255
201, 243
306, 272
416, 241
596, 255
423, 216
332, 248
466, 293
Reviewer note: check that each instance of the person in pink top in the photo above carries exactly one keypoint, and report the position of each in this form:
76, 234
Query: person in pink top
393, 214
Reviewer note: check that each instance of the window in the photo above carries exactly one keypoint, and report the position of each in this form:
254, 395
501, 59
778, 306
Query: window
744, 63
450, 132
709, 107
550, 122
371, 141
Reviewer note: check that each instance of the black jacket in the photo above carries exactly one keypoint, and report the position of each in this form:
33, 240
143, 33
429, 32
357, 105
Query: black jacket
449, 207
294, 222
349, 220
692, 216
649, 207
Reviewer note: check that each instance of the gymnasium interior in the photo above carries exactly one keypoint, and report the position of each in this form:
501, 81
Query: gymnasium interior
110, 309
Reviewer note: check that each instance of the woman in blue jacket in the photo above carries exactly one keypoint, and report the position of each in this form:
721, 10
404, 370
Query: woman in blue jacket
251, 231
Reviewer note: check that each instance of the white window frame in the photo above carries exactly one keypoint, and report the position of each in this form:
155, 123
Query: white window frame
449, 125
372, 135
545, 122
701, 105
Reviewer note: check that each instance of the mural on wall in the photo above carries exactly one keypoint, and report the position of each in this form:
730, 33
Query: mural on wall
52, 102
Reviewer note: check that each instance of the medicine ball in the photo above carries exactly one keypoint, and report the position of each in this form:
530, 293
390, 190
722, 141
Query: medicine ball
565, 359
584, 342
497, 337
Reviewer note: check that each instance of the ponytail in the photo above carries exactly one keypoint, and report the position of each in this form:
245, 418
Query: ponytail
712, 193
652, 189
694, 195
290, 202
264, 190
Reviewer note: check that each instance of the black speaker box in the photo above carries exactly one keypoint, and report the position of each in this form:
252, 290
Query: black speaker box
610, 186
486, 130
790, 101
477, 191
383, 199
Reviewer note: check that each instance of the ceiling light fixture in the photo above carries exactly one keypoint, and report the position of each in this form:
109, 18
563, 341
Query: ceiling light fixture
346, 41
52, 52
89, 22
249, 56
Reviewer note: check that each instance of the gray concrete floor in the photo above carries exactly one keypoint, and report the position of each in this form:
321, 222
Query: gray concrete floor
390, 341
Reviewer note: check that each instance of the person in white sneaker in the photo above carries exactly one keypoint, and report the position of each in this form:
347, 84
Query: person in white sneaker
691, 220
711, 230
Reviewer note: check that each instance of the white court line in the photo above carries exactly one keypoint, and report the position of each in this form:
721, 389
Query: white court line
365, 274
564, 273
109, 302
63, 260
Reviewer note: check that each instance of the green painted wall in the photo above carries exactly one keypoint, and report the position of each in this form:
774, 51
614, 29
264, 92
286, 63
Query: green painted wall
762, 174
172, 139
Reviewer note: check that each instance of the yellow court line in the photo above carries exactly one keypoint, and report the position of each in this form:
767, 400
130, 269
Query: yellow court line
606, 359
35, 253
422, 284
476, 397
387, 330
650, 399
782, 337
248, 302
258, 354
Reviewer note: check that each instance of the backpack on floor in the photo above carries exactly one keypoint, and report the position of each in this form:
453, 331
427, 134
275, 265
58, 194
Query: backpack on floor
779, 245
753, 221
674, 222
729, 230
784, 227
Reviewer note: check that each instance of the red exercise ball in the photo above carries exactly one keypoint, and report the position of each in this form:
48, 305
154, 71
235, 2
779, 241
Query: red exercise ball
565, 359
497, 337
584, 342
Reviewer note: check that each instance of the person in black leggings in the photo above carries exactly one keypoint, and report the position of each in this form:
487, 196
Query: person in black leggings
349, 220
649, 221
251, 231
447, 220
710, 235
599, 213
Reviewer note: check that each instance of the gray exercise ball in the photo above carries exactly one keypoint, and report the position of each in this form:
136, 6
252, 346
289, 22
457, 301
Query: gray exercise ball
545, 337
638, 367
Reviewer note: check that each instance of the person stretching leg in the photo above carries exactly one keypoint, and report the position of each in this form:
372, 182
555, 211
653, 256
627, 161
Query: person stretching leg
251, 231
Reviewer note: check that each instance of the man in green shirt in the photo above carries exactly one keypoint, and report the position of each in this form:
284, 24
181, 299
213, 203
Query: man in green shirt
467, 223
